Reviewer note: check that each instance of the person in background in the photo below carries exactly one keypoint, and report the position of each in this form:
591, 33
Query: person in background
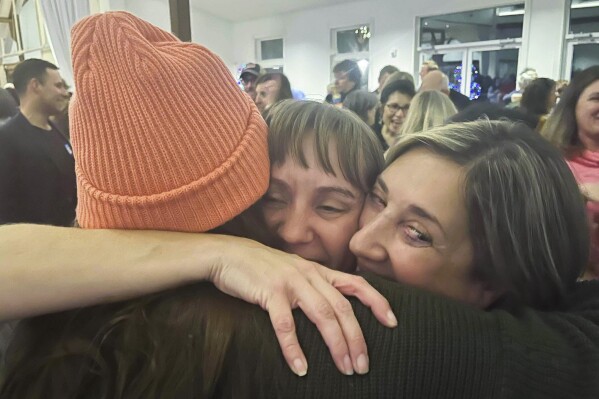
494, 112
248, 78
560, 86
399, 75
271, 88
574, 128
363, 104
437, 80
8, 106
426, 67
37, 168
61, 121
385, 72
428, 109
348, 78
525, 78
395, 100
538, 99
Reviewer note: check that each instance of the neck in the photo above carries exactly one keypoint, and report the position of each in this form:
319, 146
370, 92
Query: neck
35, 116
589, 142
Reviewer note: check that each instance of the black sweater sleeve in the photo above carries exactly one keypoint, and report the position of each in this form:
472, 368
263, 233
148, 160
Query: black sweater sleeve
444, 349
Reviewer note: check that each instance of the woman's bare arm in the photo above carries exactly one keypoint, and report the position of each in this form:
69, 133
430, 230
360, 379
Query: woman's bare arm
46, 269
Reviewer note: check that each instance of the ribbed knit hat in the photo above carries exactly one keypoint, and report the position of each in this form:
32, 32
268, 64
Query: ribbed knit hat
162, 135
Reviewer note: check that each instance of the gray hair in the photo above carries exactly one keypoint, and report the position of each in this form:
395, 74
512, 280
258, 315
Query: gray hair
527, 217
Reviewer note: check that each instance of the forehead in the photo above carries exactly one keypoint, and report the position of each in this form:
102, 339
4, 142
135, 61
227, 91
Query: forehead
53, 75
592, 88
292, 171
248, 77
268, 85
430, 181
398, 98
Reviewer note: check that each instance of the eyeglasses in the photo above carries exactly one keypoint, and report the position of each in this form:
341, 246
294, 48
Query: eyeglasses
394, 107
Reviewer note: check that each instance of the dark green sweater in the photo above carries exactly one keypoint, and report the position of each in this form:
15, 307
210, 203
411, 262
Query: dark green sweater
164, 345
443, 349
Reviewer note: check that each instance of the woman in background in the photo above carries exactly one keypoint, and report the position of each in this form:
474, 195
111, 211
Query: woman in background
428, 109
270, 89
539, 98
574, 128
395, 100
364, 104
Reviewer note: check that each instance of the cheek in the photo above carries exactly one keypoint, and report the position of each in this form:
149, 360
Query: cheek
368, 214
338, 233
386, 116
412, 265
272, 217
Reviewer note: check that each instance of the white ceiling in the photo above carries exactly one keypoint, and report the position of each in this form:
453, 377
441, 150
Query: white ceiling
240, 10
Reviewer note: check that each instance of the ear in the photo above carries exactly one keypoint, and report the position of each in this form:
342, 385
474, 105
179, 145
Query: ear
34, 85
483, 295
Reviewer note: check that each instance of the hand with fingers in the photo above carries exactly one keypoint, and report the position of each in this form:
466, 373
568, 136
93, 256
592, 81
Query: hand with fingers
280, 282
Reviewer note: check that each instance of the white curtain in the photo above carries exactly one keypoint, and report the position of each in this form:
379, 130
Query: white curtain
60, 16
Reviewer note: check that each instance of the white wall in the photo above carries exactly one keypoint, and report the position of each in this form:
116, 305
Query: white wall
208, 30
214, 33
307, 36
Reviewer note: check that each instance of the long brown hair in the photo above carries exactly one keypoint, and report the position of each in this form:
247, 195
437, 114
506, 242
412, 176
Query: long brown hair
190, 342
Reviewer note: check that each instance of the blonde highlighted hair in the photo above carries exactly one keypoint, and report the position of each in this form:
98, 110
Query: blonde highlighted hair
428, 109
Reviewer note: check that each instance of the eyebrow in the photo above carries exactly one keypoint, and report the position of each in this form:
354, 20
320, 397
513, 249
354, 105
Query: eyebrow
336, 189
319, 191
415, 209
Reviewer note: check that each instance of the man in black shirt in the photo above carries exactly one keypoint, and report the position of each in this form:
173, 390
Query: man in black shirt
37, 168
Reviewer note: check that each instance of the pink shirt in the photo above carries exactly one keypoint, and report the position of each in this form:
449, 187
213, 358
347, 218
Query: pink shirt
585, 167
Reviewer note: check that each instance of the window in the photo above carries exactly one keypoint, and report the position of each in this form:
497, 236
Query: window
473, 26
22, 35
582, 40
352, 44
478, 50
271, 55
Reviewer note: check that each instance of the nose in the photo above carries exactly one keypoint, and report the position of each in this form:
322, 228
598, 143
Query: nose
369, 241
401, 112
295, 228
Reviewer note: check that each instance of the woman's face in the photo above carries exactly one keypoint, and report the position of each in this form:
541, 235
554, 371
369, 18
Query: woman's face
414, 228
313, 213
395, 112
587, 114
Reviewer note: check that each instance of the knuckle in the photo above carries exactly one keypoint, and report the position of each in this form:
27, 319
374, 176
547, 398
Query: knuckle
324, 310
344, 307
284, 325
357, 339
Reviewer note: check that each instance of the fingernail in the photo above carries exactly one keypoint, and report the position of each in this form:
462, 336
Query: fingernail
349, 368
362, 364
392, 319
301, 368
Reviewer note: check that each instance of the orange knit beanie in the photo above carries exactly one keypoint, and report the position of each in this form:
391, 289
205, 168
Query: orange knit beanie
163, 137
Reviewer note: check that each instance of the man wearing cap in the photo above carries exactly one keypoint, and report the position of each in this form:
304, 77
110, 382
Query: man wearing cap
248, 77
37, 168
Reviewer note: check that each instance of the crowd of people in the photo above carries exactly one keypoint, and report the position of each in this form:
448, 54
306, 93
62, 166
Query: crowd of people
187, 237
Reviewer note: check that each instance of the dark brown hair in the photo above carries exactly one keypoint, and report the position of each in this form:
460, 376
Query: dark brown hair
190, 342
